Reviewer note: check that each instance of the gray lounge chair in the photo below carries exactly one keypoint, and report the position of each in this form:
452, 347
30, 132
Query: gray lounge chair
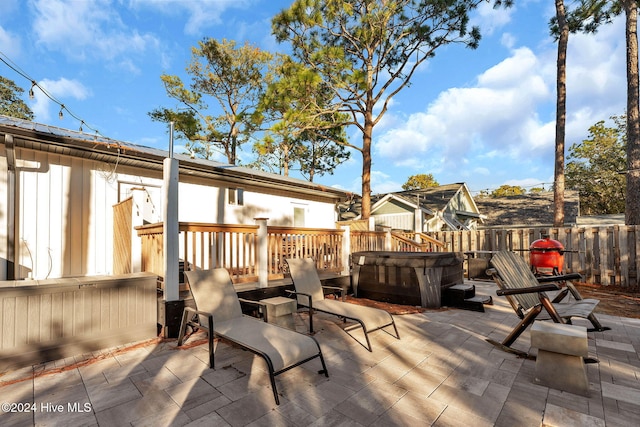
309, 293
218, 309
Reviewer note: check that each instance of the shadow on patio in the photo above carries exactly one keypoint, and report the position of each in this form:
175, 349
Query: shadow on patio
442, 372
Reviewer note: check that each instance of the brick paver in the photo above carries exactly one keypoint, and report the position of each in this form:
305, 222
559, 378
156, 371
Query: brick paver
442, 373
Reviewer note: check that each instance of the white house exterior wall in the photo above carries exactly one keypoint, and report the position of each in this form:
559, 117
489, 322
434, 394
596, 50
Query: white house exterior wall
65, 220
65, 212
207, 203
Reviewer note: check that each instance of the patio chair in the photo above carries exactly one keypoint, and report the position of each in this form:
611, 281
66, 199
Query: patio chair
527, 296
218, 311
309, 293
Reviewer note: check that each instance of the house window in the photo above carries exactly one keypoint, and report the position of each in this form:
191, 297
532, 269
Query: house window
298, 216
235, 196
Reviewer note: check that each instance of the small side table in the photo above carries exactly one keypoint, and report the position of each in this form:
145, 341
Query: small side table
561, 352
279, 311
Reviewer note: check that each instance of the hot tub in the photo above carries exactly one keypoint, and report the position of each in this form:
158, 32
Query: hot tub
409, 278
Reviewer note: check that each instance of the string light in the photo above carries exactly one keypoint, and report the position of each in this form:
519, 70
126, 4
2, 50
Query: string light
9, 63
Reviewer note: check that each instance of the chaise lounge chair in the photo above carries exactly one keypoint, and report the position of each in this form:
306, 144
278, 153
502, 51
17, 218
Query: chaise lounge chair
527, 296
218, 311
309, 293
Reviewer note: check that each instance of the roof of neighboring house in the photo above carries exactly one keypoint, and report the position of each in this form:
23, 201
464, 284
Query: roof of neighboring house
45, 138
526, 209
431, 199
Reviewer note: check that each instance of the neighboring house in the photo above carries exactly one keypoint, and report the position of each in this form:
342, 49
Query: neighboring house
446, 207
527, 210
58, 188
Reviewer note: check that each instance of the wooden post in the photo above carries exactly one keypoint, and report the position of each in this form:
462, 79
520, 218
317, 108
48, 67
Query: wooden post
170, 229
262, 252
346, 249
387, 238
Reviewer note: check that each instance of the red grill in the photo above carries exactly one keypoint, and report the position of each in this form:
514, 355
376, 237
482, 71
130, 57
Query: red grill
546, 256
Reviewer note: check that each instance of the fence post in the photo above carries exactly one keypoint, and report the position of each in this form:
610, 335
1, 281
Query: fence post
346, 250
387, 238
263, 252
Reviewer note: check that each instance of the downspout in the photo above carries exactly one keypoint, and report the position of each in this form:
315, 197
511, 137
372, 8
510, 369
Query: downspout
12, 230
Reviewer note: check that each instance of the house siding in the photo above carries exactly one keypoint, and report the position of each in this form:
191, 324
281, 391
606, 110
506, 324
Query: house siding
4, 218
64, 216
65, 211
396, 221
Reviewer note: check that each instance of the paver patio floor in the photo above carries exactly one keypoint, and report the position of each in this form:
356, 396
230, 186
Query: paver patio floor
442, 372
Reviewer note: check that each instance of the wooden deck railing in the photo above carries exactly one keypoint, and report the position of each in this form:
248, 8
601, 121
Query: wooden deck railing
606, 255
204, 246
322, 244
393, 241
235, 247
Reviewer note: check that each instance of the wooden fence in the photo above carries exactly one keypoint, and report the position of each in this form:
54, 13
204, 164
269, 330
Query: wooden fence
605, 255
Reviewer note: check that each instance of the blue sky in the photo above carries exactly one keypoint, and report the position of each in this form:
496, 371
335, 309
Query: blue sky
485, 117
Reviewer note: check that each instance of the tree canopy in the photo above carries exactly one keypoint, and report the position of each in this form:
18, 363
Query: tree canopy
594, 168
419, 181
231, 77
299, 130
11, 103
590, 15
366, 51
508, 191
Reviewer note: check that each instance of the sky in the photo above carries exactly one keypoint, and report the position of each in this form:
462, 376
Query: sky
485, 116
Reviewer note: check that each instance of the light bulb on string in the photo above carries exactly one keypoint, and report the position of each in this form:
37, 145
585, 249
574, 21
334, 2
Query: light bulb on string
60, 115
31, 95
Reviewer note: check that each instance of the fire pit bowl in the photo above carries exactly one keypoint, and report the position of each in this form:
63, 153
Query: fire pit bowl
409, 278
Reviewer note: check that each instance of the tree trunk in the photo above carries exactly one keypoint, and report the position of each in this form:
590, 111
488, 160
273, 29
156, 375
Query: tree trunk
632, 204
366, 166
285, 159
561, 115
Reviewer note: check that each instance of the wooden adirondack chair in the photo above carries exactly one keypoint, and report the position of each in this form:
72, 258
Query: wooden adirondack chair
527, 296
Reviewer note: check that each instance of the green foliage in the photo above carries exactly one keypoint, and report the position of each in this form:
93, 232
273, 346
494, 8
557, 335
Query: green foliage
423, 180
231, 77
508, 191
536, 190
366, 51
594, 166
321, 154
10, 102
302, 130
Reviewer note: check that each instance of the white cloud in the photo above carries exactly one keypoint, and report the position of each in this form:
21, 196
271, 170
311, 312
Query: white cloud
10, 43
61, 90
490, 19
498, 112
382, 183
508, 40
87, 30
202, 14
509, 113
